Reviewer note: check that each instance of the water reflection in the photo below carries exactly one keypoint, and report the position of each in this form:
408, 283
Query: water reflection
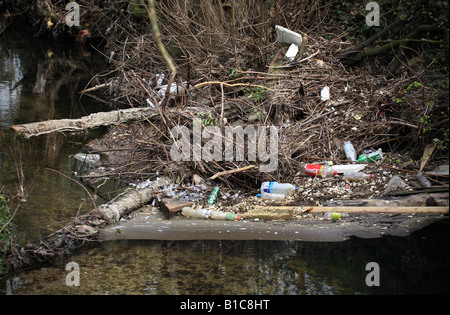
40, 80
416, 264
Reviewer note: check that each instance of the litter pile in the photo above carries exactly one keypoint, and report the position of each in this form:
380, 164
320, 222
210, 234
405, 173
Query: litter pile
291, 78
326, 89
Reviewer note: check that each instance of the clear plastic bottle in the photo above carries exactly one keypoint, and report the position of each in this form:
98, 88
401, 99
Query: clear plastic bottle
350, 152
357, 176
423, 180
196, 213
393, 184
277, 188
331, 216
218, 215
317, 170
271, 196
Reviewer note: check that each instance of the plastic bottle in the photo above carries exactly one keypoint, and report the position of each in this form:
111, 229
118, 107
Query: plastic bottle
350, 152
196, 213
317, 170
371, 157
331, 216
393, 184
277, 188
423, 180
271, 196
357, 176
217, 215
213, 196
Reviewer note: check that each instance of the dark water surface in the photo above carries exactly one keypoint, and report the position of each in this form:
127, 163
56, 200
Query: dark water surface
417, 264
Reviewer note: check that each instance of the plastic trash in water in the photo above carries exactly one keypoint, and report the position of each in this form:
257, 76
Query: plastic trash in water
88, 158
325, 94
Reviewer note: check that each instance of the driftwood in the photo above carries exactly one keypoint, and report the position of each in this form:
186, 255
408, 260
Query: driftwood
80, 231
125, 203
87, 122
96, 120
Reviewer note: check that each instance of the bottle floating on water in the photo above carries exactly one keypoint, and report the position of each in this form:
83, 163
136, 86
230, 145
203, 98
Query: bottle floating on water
332, 216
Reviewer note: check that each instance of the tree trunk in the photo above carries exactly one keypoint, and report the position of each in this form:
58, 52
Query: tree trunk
83, 123
80, 231
92, 121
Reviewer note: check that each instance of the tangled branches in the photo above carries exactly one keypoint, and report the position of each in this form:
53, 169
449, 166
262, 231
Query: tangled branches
230, 71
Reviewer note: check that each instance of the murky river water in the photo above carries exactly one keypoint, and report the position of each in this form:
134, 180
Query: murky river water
417, 264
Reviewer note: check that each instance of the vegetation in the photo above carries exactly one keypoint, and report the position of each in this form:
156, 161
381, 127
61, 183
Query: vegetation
5, 227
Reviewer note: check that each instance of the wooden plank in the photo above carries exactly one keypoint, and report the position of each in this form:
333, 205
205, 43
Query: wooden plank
171, 207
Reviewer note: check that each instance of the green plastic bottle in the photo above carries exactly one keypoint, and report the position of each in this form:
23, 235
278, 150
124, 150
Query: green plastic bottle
213, 196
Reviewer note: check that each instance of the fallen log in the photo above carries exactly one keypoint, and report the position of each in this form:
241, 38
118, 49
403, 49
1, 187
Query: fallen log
95, 120
87, 122
125, 203
80, 231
